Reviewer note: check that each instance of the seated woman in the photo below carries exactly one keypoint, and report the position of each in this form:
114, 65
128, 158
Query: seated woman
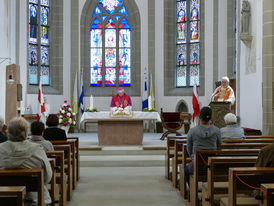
232, 129
53, 132
18, 152
202, 137
37, 129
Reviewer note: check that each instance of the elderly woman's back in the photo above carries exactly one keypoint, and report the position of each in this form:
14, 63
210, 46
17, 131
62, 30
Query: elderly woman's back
18, 152
232, 129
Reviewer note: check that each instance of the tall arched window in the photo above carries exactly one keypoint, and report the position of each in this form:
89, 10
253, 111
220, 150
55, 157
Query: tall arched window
110, 45
187, 43
39, 45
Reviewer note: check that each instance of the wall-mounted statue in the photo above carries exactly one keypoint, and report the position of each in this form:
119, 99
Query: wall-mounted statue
245, 21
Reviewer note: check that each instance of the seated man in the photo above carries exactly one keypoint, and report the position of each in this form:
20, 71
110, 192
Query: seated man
18, 152
121, 103
3, 137
204, 136
223, 93
232, 129
37, 130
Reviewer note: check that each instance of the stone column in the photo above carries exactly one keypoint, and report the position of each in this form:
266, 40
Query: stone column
268, 67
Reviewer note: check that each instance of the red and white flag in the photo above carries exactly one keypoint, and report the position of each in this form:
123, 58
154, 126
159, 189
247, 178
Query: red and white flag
195, 103
41, 108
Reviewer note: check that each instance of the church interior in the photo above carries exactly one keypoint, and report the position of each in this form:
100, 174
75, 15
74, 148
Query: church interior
162, 53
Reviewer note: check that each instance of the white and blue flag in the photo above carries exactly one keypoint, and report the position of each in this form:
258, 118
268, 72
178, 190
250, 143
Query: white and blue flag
145, 90
81, 98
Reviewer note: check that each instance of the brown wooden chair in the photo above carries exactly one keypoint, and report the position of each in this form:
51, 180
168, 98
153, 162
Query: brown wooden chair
172, 121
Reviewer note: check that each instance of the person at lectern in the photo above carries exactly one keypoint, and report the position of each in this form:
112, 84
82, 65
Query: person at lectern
121, 103
223, 93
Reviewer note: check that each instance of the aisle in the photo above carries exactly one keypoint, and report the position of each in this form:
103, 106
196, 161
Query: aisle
124, 186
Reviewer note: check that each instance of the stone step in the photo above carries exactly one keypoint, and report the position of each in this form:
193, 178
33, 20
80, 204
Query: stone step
102, 151
122, 161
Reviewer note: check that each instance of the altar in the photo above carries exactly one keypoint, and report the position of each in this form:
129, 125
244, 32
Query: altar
122, 130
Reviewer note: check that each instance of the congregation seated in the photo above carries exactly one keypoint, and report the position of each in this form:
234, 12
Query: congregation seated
232, 130
37, 129
3, 137
52, 132
18, 152
205, 136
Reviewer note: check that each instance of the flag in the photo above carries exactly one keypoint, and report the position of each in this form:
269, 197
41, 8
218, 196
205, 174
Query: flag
75, 97
145, 90
151, 94
41, 103
81, 98
195, 103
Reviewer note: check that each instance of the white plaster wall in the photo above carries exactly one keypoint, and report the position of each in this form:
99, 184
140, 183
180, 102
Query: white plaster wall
4, 50
7, 45
222, 36
251, 83
23, 55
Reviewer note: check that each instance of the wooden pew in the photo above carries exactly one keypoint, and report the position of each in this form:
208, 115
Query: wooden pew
72, 144
52, 181
264, 140
177, 160
201, 161
259, 137
218, 172
244, 145
268, 194
13, 195
253, 176
174, 150
60, 175
68, 171
170, 153
77, 155
33, 179
186, 159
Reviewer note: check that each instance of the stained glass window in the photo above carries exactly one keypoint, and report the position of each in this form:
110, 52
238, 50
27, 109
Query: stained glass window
39, 43
187, 43
110, 45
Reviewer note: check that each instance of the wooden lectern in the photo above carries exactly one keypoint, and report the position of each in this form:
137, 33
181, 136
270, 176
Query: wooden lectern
219, 110
13, 92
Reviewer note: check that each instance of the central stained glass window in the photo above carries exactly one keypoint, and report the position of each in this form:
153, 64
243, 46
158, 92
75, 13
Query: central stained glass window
110, 45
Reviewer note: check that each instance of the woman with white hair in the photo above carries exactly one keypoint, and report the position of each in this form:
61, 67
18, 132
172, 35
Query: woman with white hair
232, 129
18, 152
3, 137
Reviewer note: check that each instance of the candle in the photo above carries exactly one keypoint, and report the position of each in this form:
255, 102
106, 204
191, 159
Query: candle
149, 103
91, 102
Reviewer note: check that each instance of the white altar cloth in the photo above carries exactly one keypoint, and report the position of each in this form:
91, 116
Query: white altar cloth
104, 115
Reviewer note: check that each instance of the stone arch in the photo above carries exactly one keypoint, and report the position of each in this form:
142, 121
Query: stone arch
182, 106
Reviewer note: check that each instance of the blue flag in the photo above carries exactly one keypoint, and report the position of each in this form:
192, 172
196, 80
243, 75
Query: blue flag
81, 98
